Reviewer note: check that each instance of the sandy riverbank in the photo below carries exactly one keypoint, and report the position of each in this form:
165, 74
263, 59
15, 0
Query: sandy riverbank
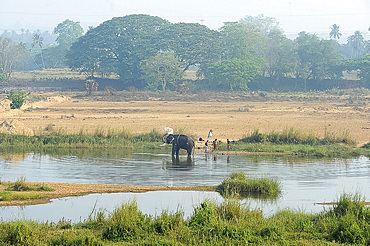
68, 189
229, 117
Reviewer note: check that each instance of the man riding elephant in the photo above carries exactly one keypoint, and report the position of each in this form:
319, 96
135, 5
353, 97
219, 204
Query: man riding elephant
178, 142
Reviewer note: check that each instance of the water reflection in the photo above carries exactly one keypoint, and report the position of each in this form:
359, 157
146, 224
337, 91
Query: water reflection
179, 164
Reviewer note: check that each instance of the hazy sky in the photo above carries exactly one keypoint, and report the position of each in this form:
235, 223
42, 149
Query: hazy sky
313, 16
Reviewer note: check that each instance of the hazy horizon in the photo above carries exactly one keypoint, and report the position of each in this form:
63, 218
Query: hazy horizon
312, 16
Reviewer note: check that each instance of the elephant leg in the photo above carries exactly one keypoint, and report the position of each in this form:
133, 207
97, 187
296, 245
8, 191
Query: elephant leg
173, 149
189, 150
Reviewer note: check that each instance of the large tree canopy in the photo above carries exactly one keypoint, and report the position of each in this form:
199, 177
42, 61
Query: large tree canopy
121, 44
193, 43
118, 45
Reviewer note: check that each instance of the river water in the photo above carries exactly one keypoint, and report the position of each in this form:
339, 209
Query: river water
304, 181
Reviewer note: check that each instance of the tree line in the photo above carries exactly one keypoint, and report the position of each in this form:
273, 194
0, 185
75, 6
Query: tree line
148, 52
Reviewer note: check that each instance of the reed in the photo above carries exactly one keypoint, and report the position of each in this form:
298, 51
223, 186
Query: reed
295, 136
101, 138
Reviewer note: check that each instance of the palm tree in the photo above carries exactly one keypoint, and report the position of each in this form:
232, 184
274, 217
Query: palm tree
37, 41
356, 42
24, 46
335, 32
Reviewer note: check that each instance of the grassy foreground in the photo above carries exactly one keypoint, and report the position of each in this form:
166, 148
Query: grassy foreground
229, 223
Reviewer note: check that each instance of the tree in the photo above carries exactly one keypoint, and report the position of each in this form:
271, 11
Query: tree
2, 76
357, 44
193, 44
335, 32
362, 65
279, 55
118, 45
29, 52
241, 41
37, 40
235, 73
68, 32
315, 56
11, 54
262, 23
161, 70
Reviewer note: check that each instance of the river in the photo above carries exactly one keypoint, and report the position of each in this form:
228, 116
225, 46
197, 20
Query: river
304, 181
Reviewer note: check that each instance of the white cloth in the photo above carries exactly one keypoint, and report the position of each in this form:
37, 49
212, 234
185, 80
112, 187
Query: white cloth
168, 130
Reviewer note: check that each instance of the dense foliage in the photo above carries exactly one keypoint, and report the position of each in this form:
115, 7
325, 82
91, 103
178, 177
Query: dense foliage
253, 53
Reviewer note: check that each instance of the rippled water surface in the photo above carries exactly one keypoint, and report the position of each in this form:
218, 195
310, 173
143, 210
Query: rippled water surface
304, 181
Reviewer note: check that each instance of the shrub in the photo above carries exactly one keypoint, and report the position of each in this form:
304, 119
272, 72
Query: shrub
126, 224
17, 99
21, 185
350, 220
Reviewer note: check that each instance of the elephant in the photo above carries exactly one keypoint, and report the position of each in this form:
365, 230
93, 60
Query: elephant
178, 142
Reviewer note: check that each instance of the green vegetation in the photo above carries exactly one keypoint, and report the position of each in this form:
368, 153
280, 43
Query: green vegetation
295, 136
10, 196
2, 76
229, 223
21, 185
296, 142
161, 71
289, 142
17, 99
20, 190
238, 184
252, 53
101, 139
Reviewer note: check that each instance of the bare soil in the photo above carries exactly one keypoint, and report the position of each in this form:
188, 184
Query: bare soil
229, 115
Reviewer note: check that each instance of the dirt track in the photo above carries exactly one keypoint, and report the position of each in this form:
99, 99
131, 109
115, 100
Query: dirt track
229, 117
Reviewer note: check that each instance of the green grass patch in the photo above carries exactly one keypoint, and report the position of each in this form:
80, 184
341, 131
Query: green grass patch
21, 185
240, 185
15, 196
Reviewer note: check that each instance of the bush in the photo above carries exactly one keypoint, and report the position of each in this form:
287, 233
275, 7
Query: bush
349, 221
126, 224
17, 99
